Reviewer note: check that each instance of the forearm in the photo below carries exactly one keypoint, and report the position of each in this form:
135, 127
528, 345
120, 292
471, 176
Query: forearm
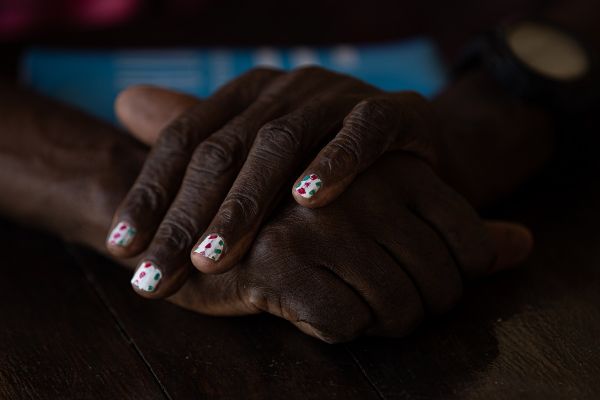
57, 167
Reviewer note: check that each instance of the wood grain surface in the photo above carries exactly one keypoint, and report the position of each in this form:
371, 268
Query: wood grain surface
72, 328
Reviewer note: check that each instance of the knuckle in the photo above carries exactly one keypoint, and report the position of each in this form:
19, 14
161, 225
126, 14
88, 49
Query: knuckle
342, 152
372, 124
219, 153
181, 134
328, 326
258, 297
377, 107
279, 138
239, 206
176, 235
146, 195
372, 116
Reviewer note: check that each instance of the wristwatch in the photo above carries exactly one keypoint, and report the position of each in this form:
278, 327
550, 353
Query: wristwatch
540, 62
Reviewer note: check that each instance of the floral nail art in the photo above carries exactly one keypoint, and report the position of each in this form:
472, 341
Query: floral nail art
122, 235
146, 277
308, 186
211, 247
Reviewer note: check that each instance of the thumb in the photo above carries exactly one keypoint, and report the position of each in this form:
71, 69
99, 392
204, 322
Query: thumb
512, 242
145, 110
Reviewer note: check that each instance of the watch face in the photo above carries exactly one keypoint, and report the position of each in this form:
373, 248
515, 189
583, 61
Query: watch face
548, 51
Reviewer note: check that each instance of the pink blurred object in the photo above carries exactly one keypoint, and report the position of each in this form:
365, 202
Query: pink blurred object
101, 12
19, 17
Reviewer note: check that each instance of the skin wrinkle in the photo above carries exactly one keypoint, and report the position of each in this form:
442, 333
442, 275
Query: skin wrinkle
318, 242
240, 206
378, 186
440, 279
376, 116
352, 327
458, 251
145, 196
168, 171
260, 181
360, 293
175, 235
350, 150
280, 137
288, 231
218, 155
423, 310
224, 214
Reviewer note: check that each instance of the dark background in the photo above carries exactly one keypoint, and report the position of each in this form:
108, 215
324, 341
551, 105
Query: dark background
70, 327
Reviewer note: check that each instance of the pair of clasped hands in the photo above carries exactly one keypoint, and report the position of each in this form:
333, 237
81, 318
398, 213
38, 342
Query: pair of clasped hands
308, 195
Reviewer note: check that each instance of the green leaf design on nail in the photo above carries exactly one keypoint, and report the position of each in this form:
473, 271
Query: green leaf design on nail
218, 251
157, 276
150, 288
307, 177
312, 192
318, 184
221, 242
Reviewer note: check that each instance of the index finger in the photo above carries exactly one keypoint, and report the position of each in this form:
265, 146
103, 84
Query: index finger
158, 182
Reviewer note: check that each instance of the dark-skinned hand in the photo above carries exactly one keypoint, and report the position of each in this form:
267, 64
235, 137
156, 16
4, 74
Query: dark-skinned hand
390, 250
218, 170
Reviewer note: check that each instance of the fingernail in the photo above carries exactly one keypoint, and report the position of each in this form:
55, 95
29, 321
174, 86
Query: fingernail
211, 247
146, 277
122, 235
308, 186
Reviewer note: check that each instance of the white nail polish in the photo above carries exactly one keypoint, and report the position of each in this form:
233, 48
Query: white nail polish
146, 277
308, 186
211, 247
122, 235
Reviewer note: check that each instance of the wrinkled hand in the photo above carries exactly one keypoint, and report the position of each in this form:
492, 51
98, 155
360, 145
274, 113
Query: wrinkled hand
393, 248
389, 251
218, 170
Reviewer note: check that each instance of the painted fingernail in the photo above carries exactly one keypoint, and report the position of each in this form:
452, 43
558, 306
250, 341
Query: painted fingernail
122, 235
308, 186
146, 277
211, 247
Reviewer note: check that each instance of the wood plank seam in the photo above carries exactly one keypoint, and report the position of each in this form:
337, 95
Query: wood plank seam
364, 372
73, 254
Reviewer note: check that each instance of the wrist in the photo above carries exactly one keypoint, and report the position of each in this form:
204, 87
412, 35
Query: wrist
492, 140
61, 170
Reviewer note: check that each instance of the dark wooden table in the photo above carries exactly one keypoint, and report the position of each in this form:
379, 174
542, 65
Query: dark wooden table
71, 328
